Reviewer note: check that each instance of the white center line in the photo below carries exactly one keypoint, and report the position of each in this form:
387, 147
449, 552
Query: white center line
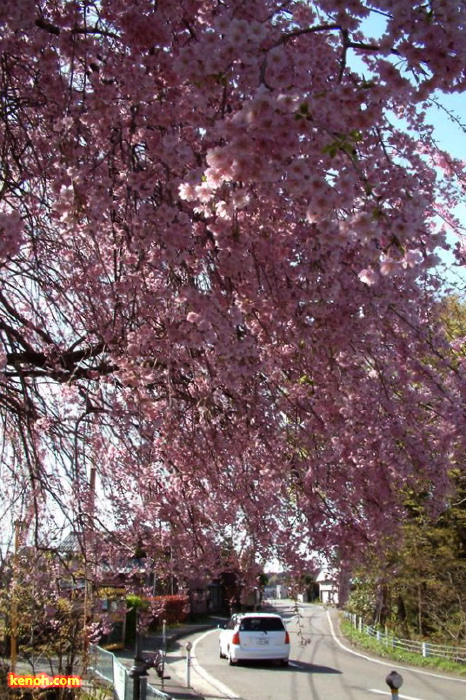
401, 697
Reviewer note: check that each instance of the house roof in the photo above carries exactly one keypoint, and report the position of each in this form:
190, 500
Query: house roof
326, 576
71, 543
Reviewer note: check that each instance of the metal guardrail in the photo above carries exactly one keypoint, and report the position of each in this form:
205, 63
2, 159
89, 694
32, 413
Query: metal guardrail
155, 694
106, 666
425, 649
101, 663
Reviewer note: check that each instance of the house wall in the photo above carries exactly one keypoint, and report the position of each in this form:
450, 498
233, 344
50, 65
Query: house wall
328, 594
282, 591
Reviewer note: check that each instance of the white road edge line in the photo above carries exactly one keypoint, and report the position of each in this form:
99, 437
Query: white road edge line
384, 692
218, 685
384, 663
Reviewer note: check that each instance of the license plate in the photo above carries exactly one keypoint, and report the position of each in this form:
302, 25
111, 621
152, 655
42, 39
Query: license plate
263, 642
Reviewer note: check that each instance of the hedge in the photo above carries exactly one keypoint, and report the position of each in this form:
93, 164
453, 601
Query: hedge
171, 608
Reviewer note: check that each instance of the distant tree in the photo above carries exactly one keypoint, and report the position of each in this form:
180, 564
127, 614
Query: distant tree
417, 585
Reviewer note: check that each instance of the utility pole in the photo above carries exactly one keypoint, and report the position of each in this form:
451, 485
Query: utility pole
89, 554
14, 603
138, 671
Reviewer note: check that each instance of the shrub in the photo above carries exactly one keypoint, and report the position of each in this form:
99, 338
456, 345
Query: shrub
171, 608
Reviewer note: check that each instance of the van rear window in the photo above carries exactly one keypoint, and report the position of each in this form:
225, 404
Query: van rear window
261, 624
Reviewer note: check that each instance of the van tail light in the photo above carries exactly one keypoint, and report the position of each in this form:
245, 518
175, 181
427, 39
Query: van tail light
287, 638
235, 638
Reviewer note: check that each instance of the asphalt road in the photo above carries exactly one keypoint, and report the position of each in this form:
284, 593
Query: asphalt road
321, 668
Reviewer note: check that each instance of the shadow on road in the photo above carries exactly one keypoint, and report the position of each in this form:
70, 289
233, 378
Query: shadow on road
294, 667
303, 667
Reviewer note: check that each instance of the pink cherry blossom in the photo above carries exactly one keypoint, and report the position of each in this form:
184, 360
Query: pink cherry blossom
368, 277
412, 258
389, 265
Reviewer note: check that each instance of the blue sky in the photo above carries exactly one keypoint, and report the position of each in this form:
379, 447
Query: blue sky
448, 134
452, 138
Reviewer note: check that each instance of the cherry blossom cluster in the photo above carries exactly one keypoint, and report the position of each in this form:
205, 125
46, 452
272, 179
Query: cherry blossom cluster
217, 271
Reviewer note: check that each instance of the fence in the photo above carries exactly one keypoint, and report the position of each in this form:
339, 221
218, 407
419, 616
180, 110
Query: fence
426, 649
155, 694
106, 666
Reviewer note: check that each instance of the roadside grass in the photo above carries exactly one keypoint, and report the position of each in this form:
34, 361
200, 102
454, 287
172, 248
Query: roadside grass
99, 693
363, 641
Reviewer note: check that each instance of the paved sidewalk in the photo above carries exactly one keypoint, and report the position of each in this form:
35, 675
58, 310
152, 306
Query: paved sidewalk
175, 685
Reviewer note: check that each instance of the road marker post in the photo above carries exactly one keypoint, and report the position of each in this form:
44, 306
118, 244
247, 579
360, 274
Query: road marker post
188, 647
394, 681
